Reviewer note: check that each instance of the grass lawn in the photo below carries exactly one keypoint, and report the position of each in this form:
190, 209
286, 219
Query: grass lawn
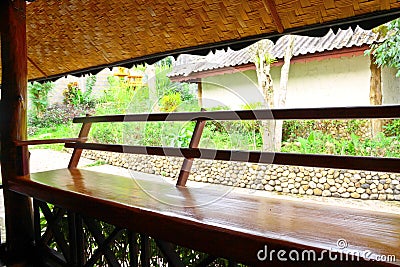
59, 131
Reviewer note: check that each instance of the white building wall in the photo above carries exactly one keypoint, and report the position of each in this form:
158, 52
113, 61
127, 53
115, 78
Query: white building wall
390, 86
330, 82
233, 90
325, 83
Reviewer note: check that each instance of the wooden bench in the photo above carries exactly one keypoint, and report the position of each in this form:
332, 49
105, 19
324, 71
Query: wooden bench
235, 226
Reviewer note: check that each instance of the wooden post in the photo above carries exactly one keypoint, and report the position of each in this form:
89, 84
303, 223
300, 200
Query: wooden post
18, 208
375, 94
76, 154
194, 143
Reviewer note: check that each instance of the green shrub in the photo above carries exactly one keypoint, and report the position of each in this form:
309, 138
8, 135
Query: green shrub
38, 93
392, 128
55, 115
74, 96
297, 128
320, 143
111, 133
119, 97
170, 103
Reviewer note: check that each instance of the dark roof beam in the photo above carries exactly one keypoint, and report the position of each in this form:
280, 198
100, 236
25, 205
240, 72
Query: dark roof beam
271, 6
37, 67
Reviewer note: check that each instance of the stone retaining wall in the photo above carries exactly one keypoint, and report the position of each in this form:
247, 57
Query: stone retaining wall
285, 179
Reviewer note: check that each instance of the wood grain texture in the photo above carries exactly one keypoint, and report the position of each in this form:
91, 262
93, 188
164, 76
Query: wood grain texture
215, 220
18, 211
48, 141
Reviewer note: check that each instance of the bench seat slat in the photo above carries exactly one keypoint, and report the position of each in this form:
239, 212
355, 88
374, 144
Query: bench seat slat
213, 220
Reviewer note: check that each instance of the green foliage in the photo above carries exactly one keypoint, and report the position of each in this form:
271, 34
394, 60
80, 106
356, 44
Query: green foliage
38, 93
119, 97
269, 58
189, 106
392, 128
56, 131
55, 115
170, 102
109, 133
319, 143
97, 163
165, 86
152, 134
74, 96
296, 128
87, 98
387, 53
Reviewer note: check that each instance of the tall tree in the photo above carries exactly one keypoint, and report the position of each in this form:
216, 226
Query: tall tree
386, 53
261, 56
281, 94
375, 95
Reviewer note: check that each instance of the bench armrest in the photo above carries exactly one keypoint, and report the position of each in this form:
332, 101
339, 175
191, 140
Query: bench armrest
48, 141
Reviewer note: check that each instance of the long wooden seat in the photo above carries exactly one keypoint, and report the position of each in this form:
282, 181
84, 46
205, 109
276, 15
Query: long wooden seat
218, 221
213, 220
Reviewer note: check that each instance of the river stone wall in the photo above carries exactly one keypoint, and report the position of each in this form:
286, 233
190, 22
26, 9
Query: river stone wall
285, 179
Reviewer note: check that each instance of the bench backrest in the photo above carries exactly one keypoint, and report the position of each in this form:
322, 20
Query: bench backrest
192, 152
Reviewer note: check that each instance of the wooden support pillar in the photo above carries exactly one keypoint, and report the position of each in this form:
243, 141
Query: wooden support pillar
18, 208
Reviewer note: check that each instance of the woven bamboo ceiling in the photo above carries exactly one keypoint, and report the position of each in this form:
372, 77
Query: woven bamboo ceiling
75, 36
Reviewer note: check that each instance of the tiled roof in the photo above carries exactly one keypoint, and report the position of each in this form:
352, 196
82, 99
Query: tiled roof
188, 64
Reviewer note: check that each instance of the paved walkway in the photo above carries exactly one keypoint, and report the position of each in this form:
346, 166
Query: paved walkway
44, 159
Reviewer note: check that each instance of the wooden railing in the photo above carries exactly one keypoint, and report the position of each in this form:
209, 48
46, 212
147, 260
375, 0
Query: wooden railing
328, 161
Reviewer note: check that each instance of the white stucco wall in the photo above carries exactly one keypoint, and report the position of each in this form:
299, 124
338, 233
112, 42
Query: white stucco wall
330, 82
233, 90
390, 86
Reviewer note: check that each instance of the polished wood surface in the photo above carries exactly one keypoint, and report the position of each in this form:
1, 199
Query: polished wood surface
215, 220
312, 160
48, 141
362, 112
